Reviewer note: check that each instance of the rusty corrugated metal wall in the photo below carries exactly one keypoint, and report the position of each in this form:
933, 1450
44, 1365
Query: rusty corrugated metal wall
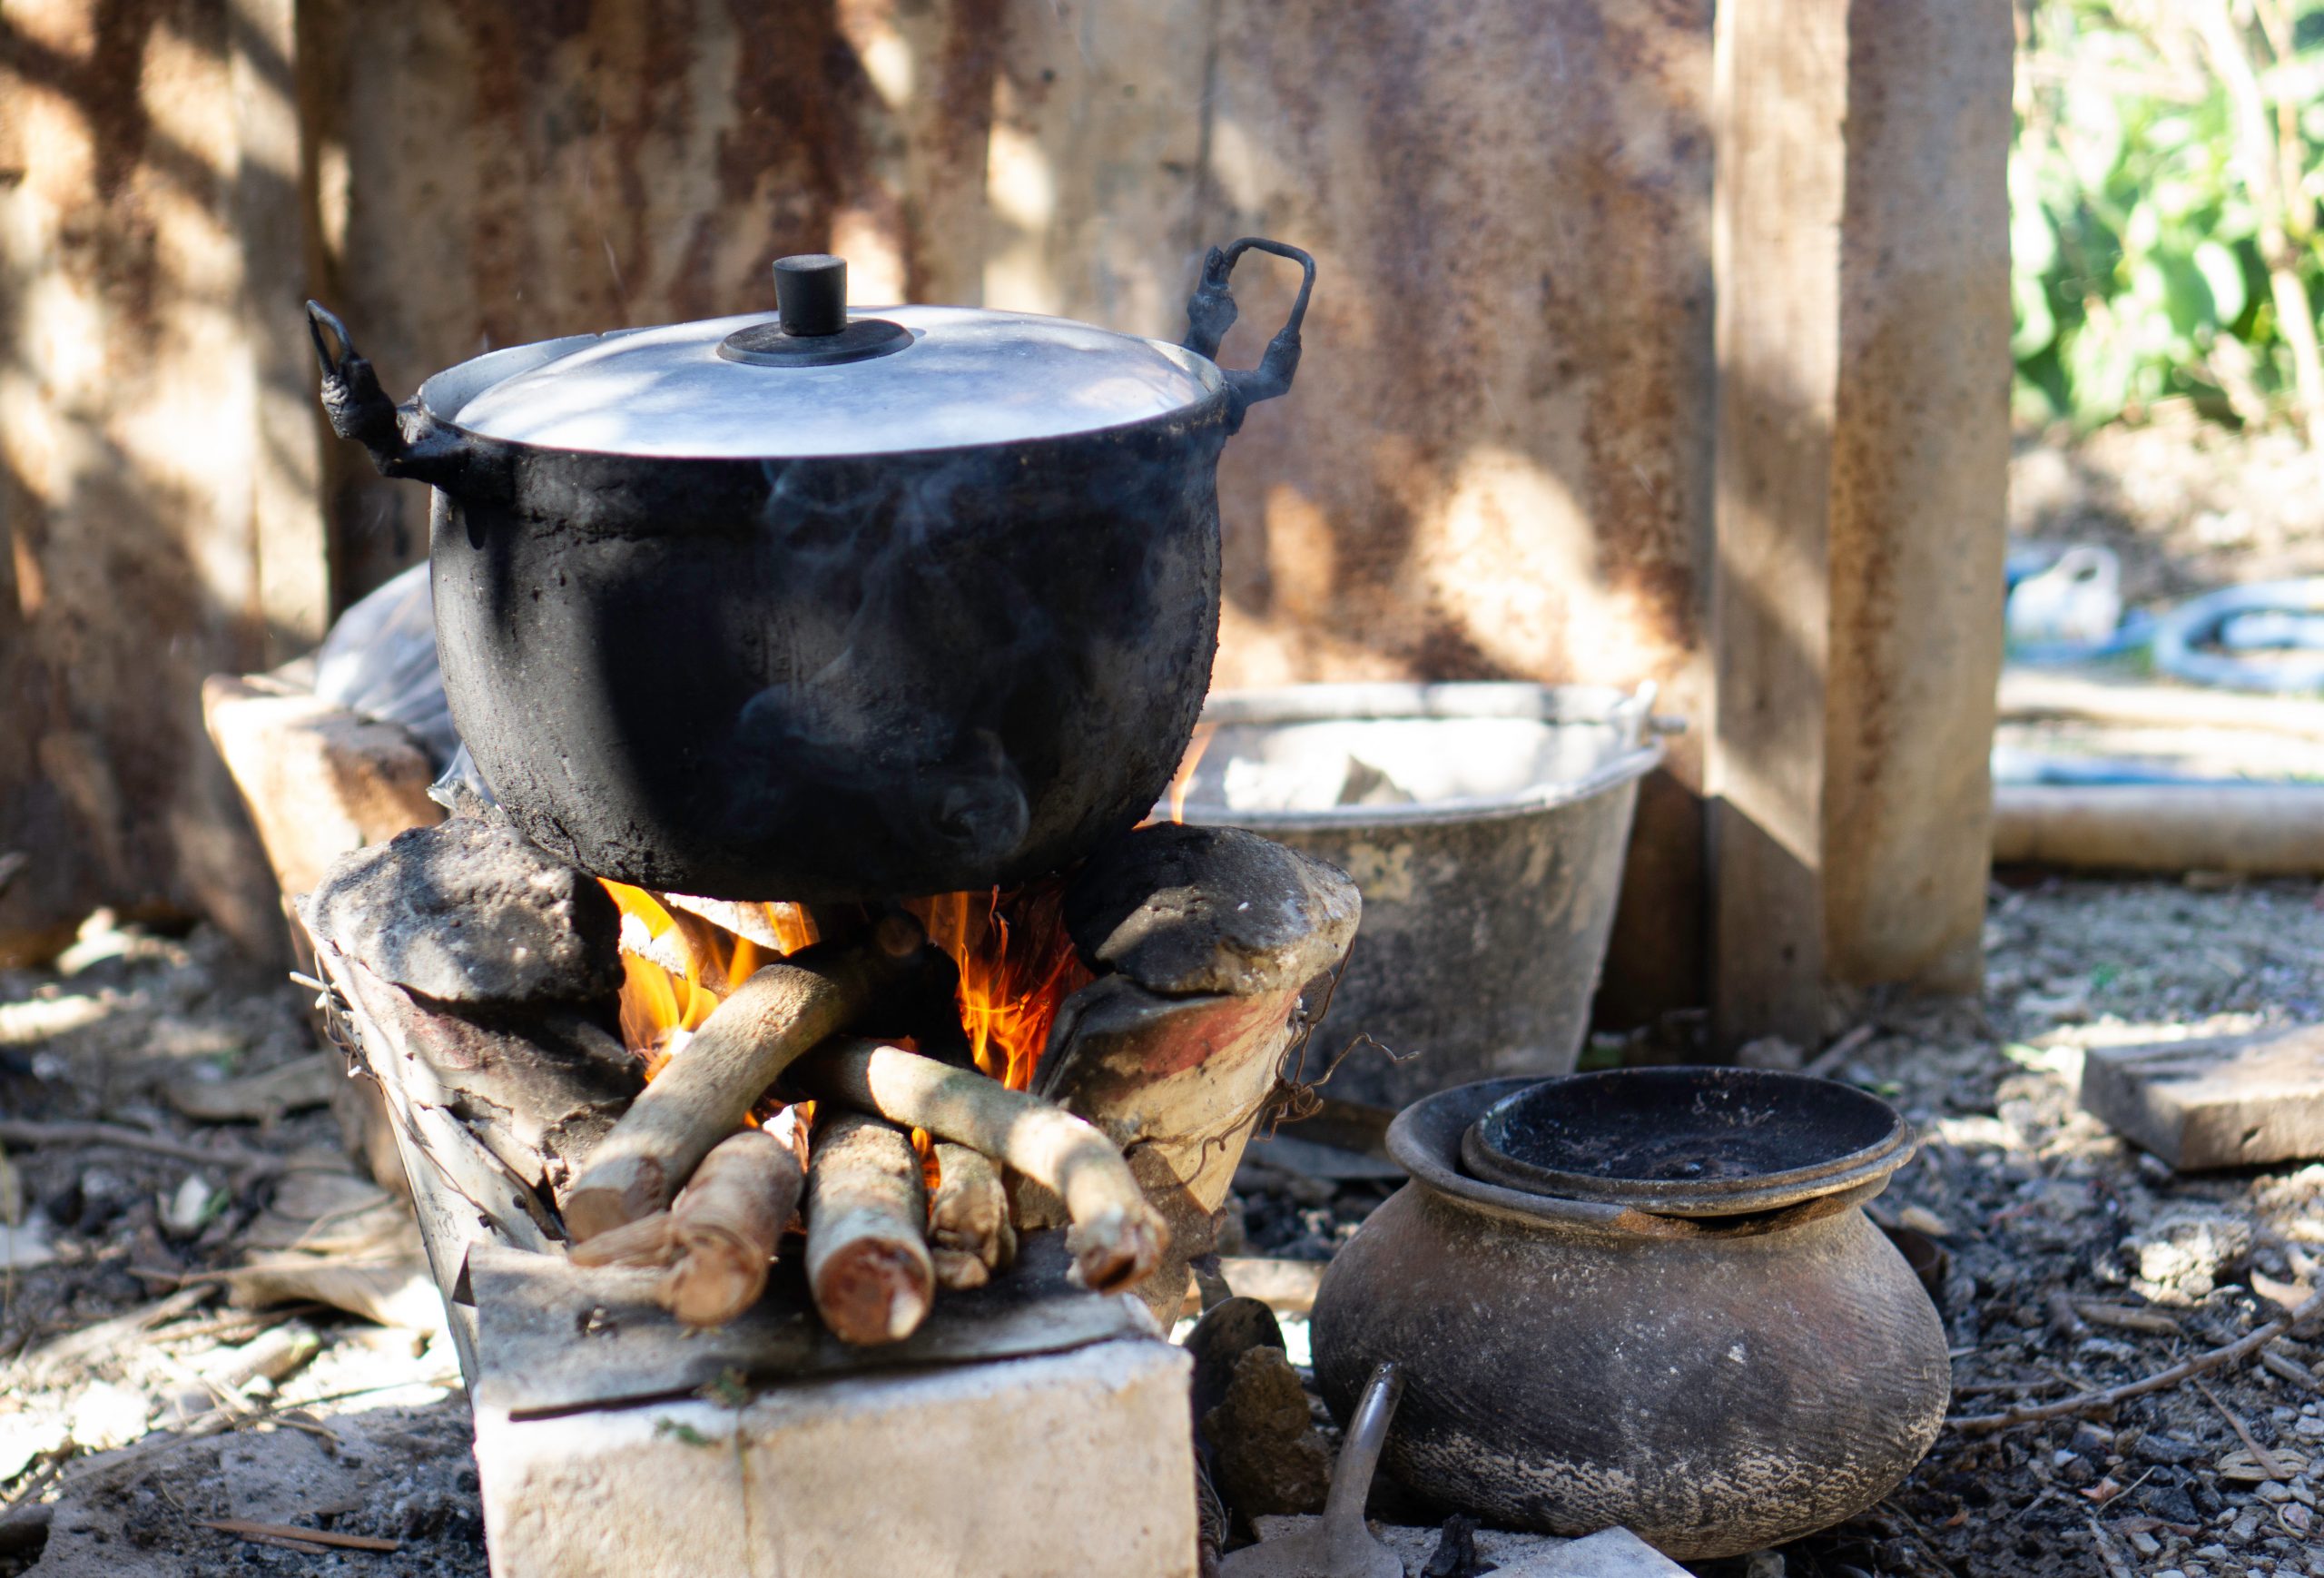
148, 537
1496, 463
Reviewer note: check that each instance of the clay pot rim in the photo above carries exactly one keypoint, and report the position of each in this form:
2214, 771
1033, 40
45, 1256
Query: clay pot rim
1765, 1191
1425, 1139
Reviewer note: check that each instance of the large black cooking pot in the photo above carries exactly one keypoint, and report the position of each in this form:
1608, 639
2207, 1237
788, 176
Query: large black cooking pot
824, 607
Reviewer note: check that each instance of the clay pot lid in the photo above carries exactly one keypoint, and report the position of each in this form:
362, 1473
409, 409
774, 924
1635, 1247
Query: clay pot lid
1685, 1141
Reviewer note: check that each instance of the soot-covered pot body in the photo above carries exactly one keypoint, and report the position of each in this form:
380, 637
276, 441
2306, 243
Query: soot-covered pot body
869, 667
1717, 1387
834, 678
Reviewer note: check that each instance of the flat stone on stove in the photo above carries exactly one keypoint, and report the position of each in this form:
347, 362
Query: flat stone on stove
470, 912
2242, 1101
1183, 910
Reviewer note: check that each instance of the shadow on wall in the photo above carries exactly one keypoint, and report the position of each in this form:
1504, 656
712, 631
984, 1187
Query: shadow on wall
126, 451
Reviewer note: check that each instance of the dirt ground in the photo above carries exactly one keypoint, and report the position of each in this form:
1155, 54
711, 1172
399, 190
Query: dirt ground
129, 1419
2034, 1200
2031, 1198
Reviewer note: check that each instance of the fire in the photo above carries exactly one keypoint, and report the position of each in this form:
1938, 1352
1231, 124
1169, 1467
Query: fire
1017, 967
1183, 779
676, 966
1016, 962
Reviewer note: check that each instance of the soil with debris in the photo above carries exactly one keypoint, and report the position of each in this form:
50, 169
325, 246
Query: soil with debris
150, 1382
2078, 1263
2187, 505
2075, 1263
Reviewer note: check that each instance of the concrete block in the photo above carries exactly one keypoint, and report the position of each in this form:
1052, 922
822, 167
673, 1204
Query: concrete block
1055, 1466
2222, 1101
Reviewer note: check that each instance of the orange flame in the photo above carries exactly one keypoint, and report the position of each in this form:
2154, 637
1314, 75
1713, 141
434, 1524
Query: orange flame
1183, 779
1017, 968
677, 967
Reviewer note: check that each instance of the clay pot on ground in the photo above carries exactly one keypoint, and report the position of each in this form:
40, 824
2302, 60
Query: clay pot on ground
1720, 1381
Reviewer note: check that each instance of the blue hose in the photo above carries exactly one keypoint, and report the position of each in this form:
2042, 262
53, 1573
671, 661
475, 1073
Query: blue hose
2181, 634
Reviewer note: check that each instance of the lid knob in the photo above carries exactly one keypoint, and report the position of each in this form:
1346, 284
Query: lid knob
810, 294
812, 328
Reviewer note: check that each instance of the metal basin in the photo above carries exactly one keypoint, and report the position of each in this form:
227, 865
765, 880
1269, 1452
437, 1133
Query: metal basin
1486, 826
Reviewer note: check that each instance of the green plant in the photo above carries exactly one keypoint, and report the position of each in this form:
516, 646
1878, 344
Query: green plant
2163, 204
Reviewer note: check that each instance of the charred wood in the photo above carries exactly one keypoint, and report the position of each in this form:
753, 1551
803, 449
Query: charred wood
717, 1240
705, 1091
1117, 1236
867, 1264
969, 1232
539, 1101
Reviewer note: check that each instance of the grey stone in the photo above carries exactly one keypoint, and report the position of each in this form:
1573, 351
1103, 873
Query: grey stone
468, 912
1185, 911
1609, 1553
2163, 1449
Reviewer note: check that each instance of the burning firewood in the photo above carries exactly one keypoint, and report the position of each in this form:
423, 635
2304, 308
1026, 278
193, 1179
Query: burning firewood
968, 1221
867, 1263
705, 1091
1117, 1236
719, 1236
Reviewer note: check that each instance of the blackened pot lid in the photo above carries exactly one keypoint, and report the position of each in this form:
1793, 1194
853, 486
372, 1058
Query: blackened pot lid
1685, 1141
718, 390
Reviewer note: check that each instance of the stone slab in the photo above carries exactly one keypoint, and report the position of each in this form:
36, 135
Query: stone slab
2221, 1101
1609, 1553
468, 912
553, 1337
1058, 1466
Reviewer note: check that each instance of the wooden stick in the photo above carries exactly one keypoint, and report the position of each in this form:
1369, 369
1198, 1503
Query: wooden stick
1117, 1236
716, 1239
706, 1090
968, 1221
2099, 1402
867, 1212
27, 1132
2259, 1455
726, 1225
246, 1529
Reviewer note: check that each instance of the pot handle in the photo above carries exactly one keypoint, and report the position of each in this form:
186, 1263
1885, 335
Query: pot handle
359, 409
1211, 311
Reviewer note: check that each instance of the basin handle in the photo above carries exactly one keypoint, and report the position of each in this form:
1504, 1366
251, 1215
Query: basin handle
1211, 311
